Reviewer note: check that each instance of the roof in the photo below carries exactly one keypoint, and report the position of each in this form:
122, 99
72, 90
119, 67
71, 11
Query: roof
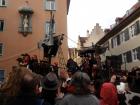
123, 23
82, 40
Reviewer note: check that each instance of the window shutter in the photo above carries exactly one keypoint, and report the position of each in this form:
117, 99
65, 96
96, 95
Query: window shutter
30, 24
120, 59
126, 34
1, 25
112, 43
138, 53
118, 39
1, 49
128, 56
47, 27
137, 28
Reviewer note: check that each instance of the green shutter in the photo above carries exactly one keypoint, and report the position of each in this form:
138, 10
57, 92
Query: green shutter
138, 53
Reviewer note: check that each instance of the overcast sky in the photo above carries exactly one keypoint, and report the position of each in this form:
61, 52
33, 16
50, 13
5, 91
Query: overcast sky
84, 14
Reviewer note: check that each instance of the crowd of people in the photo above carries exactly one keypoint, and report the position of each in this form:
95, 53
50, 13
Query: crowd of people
84, 84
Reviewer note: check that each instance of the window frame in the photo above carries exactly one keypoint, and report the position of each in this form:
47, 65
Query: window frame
132, 31
122, 37
134, 54
50, 5
47, 28
1, 3
115, 44
124, 58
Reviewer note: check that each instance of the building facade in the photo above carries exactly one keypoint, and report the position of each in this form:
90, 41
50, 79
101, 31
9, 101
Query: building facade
91, 38
123, 38
25, 24
86, 44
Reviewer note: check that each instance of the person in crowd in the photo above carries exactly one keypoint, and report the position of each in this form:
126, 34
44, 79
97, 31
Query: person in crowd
72, 65
26, 60
81, 93
55, 68
108, 92
50, 85
92, 63
33, 64
131, 95
44, 66
85, 65
65, 77
21, 88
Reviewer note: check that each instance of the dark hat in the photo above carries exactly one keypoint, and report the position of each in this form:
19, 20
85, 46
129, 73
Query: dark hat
50, 81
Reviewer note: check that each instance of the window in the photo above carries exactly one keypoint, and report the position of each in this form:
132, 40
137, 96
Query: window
1, 75
134, 54
132, 31
137, 27
124, 57
138, 53
122, 37
48, 27
115, 42
126, 34
1, 25
2, 3
1, 49
118, 40
127, 57
50, 5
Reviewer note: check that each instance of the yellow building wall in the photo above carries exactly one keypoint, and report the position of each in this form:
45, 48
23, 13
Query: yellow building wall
126, 46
